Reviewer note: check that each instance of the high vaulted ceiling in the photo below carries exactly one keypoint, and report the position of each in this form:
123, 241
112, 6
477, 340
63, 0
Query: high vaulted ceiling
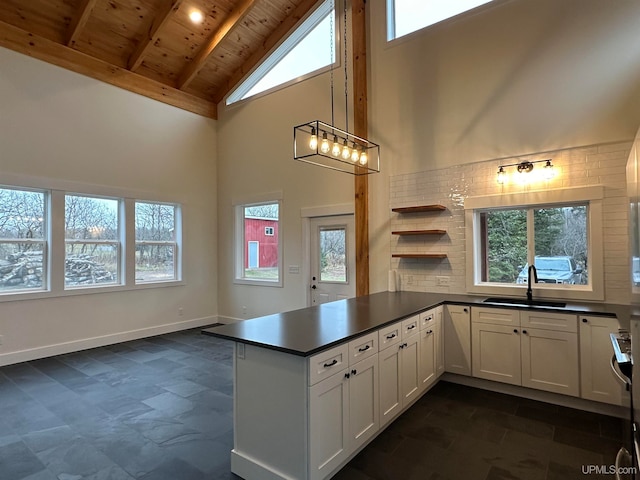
151, 47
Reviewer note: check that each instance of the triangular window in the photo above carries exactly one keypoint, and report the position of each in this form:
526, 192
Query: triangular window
307, 51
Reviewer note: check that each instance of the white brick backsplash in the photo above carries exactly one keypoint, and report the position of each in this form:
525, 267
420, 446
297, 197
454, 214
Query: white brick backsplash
582, 166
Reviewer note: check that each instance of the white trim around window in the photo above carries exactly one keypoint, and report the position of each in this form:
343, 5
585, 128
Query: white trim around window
592, 195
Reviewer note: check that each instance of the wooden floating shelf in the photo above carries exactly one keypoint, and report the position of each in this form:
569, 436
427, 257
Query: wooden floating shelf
420, 208
419, 232
419, 255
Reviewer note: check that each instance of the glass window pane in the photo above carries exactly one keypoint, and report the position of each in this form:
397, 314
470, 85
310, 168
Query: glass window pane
91, 263
91, 218
561, 244
412, 15
155, 222
21, 266
21, 214
503, 245
260, 250
333, 247
155, 263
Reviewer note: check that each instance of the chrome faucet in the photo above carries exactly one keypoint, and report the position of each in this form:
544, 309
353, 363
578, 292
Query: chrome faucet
532, 269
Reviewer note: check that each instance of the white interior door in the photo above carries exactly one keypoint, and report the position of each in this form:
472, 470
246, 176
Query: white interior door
332, 258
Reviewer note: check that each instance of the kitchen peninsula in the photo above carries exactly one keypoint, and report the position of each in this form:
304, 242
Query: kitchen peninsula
313, 386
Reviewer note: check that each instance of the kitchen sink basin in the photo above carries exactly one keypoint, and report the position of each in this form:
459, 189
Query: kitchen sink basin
524, 302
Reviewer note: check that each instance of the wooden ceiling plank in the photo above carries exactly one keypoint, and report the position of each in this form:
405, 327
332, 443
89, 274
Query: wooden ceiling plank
41, 48
79, 21
192, 68
271, 41
168, 9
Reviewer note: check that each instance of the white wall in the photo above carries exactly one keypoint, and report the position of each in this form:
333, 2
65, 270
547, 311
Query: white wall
519, 77
59, 127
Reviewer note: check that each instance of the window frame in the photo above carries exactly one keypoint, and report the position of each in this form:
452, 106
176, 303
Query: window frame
390, 12
176, 242
240, 240
591, 196
237, 95
45, 242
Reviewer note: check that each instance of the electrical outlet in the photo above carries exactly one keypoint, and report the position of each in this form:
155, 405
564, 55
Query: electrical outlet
180, 311
244, 311
240, 350
442, 281
409, 279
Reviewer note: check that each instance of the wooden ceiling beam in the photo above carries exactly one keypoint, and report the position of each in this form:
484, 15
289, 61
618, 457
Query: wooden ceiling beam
169, 7
41, 48
192, 68
271, 41
79, 21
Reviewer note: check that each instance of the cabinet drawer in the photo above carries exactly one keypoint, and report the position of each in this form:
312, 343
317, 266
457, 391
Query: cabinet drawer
389, 335
324, 364
427, 319
562, 322
495, 316
410, 326
363, 347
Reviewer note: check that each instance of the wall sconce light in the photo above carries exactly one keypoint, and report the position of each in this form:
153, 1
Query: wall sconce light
524, 168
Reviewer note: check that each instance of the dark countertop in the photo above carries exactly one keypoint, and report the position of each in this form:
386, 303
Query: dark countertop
307, 331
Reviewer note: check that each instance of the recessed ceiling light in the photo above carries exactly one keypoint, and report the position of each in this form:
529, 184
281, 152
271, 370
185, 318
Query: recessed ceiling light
196, 16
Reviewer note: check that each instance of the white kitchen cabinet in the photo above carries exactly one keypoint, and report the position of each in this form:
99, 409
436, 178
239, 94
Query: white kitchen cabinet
457, 339
430, 349
364, 401
439, 341
550, 360
399, 372
597, 380
496, 352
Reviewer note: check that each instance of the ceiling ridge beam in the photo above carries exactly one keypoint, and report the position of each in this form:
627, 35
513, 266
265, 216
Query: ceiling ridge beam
168, 9
18, 40
193, 67
79, 21
271, 41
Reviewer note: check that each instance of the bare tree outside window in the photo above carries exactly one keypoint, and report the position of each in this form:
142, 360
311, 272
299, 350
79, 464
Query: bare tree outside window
155, 242
92, 241
22, 240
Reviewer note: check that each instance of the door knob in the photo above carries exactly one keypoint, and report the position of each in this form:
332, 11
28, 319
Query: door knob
313, 287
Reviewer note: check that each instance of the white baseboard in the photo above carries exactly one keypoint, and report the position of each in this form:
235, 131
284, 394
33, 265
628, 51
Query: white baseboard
223, 319
86, 343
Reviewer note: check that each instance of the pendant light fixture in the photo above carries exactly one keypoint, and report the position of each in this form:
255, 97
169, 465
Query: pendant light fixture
339, 149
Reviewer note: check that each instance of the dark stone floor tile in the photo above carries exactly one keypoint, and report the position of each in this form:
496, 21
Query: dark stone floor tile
161, 429
614, 427
170, 403
513, 422
208, 456
350, 473
587, 441
75, 457
41, 440
17, 462
562, 418
172, 469
184, 388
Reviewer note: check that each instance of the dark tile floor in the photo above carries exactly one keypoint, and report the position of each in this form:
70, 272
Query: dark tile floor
161, 408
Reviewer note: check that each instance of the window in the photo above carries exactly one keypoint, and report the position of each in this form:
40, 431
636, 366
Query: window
306, 51
156, 245
559, 249
92, 241
557, 231
259, 256
333, 254
407, 16
23, 240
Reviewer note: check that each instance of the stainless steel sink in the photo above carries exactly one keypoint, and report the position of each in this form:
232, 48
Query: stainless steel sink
524, 302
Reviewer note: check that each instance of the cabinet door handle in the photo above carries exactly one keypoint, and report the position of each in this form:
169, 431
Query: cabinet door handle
347, 375
389, 337
515, 330
524, 331
364, 349
354, 371
327, 365
465, 310
403, 345
584, 320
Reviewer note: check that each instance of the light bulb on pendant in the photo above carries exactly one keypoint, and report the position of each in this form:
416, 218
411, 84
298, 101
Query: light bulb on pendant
355, 156
335, 150
324, 146
363, 157
548, 171
346, 152
313, 142
502, 176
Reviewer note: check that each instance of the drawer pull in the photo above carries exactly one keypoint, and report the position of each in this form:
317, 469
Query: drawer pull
364, 349
389, 337
327, 365
429, 332
411, 327
515, 330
